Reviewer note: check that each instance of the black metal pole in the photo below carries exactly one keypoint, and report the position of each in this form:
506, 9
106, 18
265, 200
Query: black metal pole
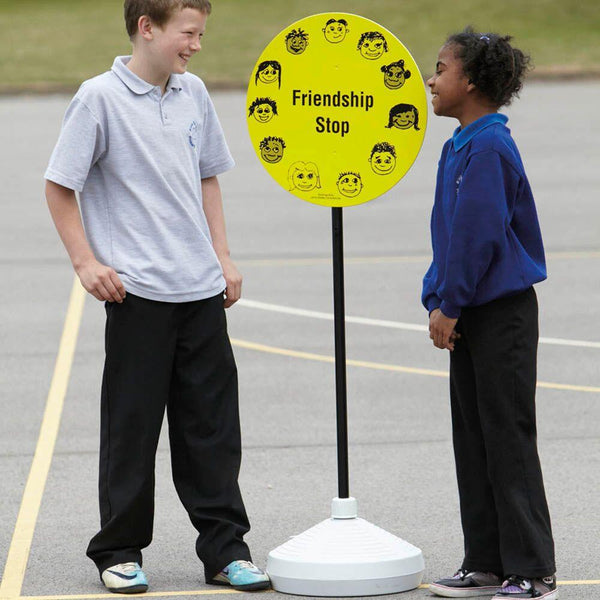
340, 351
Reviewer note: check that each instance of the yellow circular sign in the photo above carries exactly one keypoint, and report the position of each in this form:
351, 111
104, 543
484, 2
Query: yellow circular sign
336, 109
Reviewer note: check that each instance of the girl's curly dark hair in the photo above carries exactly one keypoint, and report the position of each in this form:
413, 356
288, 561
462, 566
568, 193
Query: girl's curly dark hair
491, 63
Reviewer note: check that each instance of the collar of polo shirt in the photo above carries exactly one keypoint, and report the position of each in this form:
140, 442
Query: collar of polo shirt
136, 84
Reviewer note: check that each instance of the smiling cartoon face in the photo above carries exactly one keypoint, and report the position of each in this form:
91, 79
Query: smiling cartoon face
304, 176
372, 45
271, 149
268, 75
394, 77
349, 184
335, 31
404, 120
263, 113
383, 163
296, 41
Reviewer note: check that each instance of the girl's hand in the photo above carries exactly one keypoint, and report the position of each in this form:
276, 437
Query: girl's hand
441, 330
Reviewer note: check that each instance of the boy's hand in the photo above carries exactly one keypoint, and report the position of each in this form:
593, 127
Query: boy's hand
101, 281
233, 279
441, 330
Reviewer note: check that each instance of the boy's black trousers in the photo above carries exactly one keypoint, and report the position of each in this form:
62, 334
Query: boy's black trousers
175, 356
504, 513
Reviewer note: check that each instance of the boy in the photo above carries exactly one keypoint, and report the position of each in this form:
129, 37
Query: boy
143, 146
487, 255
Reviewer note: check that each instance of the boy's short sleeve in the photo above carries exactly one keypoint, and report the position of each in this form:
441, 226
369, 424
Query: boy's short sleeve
215, 157
80, 144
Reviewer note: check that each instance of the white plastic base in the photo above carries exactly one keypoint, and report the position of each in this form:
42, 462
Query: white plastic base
345, 556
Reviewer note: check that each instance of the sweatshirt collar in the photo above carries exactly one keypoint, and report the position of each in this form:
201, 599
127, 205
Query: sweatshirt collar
462, 137
136, 84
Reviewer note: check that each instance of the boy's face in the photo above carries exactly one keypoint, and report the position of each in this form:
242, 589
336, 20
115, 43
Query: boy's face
296, 44
263, 113
449, 85
177, 40
335, 32
349, 185
372, 49
383, 163
272, 151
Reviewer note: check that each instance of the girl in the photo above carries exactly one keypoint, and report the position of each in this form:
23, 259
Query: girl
487, 254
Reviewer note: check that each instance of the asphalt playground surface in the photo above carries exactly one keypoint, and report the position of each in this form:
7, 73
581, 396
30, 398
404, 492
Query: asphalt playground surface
401, 463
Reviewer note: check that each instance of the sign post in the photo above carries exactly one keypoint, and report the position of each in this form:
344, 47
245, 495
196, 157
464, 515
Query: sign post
336, 111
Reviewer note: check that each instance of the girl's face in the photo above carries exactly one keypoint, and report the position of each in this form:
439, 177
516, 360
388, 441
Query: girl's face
268, 74
394, 78
449, 86
404, 120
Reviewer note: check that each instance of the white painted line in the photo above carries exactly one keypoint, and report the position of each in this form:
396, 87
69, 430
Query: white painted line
300, 312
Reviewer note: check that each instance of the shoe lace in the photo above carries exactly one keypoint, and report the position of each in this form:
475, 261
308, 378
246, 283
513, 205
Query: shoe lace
517, 580
460, 574
129, 567
244, 564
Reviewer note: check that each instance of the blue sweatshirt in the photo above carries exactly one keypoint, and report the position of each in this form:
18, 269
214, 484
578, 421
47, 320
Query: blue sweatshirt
484, 227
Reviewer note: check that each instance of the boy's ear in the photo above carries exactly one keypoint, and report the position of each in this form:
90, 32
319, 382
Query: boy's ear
145, 27
471, 86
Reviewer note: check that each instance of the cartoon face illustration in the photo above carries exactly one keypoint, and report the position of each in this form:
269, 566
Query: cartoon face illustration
394, 75
296, 41
383, 158
267, 72
271, 149
404, 116
349, 184
335, 30
372, 45
263, 109
304, 176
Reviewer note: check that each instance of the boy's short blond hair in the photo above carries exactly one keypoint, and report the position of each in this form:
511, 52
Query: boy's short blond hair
159, 11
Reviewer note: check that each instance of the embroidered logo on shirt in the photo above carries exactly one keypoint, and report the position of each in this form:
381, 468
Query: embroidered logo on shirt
458, 181
193, 133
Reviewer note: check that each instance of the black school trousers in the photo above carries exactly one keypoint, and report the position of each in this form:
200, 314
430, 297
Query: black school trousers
177, 357
504, 513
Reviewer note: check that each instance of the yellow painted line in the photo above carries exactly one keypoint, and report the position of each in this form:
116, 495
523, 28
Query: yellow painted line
385, 367
20, 546
109, 595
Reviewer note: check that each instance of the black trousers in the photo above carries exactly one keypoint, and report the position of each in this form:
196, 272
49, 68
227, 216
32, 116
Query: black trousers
504, 512
175, 356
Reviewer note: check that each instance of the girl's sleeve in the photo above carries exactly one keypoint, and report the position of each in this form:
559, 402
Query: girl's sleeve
478, 228
429, 297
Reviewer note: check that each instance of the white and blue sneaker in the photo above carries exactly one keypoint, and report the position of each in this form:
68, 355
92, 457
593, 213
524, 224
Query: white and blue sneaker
242, 575
125, 578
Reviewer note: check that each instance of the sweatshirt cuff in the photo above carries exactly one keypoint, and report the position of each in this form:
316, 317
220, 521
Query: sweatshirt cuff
450, 310
432, 303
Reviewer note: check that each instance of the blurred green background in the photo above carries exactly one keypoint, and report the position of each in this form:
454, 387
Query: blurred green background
56, 44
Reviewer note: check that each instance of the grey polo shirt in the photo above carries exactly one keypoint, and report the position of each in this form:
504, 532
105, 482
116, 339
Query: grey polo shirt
137, 158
